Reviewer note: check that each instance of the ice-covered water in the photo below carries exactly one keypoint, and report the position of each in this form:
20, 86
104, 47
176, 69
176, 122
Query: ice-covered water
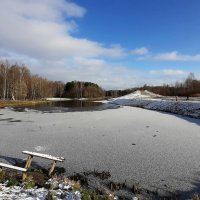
156, 149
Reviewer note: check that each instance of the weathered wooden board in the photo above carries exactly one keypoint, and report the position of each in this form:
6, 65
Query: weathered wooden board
13, 167
46, 156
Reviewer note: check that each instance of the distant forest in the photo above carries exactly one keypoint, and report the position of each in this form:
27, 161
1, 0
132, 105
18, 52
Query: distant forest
18, 83
187, 88
78, 89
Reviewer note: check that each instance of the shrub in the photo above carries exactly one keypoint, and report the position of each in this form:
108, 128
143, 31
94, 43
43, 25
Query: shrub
135, 188
2, 176
29, 182
91, 195
50, 196
12, 182
195, 197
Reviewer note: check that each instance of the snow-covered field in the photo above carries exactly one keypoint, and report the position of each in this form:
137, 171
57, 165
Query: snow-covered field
151, 101
158, 150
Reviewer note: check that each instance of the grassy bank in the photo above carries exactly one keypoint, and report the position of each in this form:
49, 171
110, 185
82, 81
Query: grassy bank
16, 103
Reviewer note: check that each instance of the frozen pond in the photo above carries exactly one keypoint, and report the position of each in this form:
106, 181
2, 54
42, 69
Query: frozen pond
156, 149
69, 106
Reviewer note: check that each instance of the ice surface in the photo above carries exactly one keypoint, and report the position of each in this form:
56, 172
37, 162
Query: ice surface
165, 153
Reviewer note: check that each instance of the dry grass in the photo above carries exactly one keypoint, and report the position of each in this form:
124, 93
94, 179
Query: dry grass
17, 103
196, 197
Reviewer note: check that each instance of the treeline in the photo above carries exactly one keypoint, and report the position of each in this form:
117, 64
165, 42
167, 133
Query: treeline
118, 93
78, 89
17, 83
187, 88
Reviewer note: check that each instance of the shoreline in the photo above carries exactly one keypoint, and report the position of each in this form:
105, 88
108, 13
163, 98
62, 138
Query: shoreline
21, 103
85, 185
184, 108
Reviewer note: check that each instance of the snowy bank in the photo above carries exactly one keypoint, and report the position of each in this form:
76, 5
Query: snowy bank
18, 192
153, 102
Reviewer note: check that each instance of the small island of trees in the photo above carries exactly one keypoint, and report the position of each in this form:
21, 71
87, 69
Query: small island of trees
78, 89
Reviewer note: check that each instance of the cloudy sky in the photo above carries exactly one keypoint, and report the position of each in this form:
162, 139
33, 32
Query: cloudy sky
115, 43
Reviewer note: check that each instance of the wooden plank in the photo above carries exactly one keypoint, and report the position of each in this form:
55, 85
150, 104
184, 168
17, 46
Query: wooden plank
52, 167
13, 167
24, 175
29, 161
46, 156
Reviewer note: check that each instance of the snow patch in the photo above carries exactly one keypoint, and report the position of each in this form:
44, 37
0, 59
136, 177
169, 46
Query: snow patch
18, 193
139, 94
40, 148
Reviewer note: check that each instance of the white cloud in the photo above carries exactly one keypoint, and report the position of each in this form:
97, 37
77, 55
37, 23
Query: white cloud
175, 56
140, 51
97, 70
42, 10
166, 76
42, 29
40, 34
170, 72
91, 69
144, 54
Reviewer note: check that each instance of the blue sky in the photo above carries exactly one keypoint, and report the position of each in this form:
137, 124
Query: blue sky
162, 25
115, 43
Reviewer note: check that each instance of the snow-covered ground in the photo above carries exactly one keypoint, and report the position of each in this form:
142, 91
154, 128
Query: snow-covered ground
139, 94
158, 150
18, 193
151, 101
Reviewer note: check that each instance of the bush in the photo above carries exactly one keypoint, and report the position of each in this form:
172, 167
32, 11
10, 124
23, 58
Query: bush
2, 176
12, 182
29, 182
195, 197
50, 196
135, 188
91, 195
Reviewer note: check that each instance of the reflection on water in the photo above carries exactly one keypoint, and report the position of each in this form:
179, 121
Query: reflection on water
75, 104
69, 106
